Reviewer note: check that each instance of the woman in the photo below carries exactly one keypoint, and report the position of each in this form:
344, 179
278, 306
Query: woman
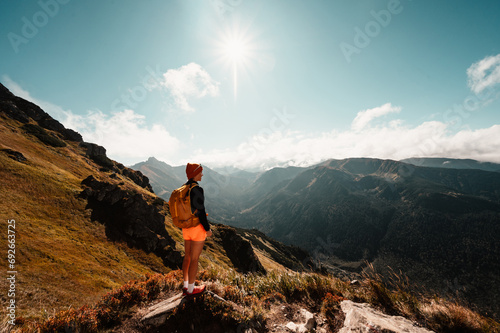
194, 238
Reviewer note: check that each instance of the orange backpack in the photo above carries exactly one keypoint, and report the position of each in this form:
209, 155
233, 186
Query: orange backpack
180, 207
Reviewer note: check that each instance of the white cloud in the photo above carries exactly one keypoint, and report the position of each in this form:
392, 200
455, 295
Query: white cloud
124, 135
392, 140
189, 81
484, 74
366, 116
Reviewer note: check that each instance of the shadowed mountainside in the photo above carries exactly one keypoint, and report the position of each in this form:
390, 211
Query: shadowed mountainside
438, 225
452, 163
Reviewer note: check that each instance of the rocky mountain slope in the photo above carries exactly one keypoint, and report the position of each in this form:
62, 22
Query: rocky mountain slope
86, 224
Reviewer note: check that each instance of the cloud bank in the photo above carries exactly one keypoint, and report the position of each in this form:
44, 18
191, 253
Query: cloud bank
128, 139
391, 140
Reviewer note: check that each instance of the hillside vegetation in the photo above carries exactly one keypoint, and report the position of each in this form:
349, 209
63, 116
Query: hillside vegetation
63, 258
261, 303
85, 224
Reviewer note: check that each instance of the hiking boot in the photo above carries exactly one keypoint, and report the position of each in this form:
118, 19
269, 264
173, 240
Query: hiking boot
196, 291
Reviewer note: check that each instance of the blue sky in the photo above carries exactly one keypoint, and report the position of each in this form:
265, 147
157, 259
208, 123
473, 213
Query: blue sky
256, 84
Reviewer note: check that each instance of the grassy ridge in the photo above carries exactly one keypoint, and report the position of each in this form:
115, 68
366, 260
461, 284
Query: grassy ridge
63, 258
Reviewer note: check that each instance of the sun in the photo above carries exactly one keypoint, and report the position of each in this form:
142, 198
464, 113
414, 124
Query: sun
239, 49
236, 50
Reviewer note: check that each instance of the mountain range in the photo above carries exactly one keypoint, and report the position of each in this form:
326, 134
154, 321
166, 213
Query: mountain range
438, 225
90, 230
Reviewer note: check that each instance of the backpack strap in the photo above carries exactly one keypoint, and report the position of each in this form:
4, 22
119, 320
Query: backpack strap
190, 188
188, 194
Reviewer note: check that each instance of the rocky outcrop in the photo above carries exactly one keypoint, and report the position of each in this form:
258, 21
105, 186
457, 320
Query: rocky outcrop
136, 176
129, 217
15, 155
98, 155
307, 322
358, 317
22, 110
238, 250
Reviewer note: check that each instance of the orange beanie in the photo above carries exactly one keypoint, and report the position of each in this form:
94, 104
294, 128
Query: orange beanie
192, 169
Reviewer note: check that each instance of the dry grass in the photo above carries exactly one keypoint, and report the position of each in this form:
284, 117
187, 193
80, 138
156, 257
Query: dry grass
255, 295
398, 297
445, 316
110, 308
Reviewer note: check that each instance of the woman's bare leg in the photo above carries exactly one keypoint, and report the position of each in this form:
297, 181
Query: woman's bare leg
187, 259
195, 251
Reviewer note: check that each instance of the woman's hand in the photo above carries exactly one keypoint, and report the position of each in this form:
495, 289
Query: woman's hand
209, 233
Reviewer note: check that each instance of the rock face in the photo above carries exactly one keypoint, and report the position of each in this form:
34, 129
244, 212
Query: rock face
157, 314
136, 176
239, 250
22, 110
130, 218
363, 318
98, 154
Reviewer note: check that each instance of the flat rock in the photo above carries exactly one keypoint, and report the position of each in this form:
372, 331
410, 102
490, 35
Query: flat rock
157, 314
364, 318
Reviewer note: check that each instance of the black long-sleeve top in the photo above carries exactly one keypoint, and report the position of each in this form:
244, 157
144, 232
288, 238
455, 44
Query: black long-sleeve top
197, 197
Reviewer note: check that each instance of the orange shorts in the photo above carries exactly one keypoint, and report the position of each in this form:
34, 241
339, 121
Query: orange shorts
197, 234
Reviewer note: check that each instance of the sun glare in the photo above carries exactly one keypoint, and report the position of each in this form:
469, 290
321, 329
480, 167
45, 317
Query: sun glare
236, 50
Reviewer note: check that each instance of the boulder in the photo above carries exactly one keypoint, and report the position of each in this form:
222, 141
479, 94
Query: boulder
129, 217
307, 322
